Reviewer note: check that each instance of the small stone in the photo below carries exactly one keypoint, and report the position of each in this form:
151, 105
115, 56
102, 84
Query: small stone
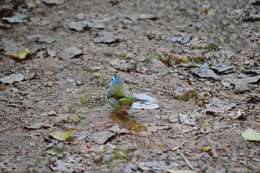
218, 106
253, 71
137, 17
121, 64
5, 11
67, 166
82, 135
107, 38
95, 68
129, 168
107, 158
51, 53
116, 129
16, 19
4, 26
222, 68
189, 118
147, 102
46, 39
51, 113
79, 83
71, 52
53, 2
78, 26
40, 21
30, 4
240, 86
82, 25
155, 166
205, 72
251, 80
153, 128
155, 65
181, 38
38, 125
102, 137
80, 16
12, 78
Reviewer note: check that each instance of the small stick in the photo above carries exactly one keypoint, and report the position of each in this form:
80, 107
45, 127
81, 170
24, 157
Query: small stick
179, 146
185, 159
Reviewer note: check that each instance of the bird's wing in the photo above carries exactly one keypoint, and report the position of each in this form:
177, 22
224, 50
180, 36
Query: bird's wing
119, 91
126, 101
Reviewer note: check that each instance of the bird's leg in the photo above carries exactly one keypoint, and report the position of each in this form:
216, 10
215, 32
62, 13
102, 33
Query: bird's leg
120, 113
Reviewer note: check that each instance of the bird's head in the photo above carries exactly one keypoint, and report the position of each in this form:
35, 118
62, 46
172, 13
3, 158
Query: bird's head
116, 80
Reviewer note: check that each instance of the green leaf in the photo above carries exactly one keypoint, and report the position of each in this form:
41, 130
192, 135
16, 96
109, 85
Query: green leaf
62, 136
20, 55
251, 135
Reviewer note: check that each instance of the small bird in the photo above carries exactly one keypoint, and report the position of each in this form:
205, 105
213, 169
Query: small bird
119, 96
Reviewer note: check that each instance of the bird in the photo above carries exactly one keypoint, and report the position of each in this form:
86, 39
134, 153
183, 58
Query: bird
119, 96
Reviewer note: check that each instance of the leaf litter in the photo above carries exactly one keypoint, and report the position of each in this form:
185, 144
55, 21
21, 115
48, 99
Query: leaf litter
149, 78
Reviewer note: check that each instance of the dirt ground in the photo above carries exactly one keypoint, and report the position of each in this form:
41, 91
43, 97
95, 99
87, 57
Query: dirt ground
198, 59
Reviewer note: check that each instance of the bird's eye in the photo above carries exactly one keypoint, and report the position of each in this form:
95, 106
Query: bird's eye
113, 78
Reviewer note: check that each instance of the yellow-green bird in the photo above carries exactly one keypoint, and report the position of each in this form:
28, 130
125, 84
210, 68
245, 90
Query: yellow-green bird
119, 96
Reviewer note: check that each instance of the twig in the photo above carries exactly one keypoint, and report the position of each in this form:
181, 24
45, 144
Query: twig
210, 131
179, 146
185, 159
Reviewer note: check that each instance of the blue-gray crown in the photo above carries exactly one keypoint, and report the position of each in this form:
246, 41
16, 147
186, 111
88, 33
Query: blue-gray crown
116, 80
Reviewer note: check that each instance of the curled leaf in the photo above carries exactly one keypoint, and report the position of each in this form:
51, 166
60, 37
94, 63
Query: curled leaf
62, 136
